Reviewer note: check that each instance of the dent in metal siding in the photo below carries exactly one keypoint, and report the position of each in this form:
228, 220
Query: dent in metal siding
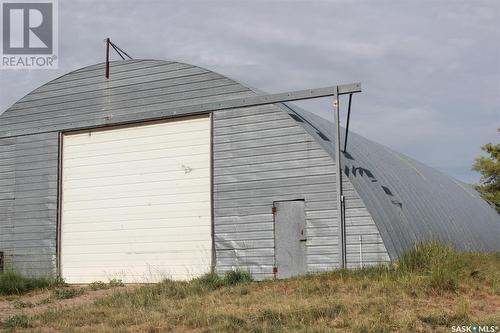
27, 219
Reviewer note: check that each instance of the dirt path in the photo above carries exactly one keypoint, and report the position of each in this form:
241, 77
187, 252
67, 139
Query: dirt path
39, 301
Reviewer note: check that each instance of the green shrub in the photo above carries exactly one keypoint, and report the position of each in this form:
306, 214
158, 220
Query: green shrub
17, 321
115, 283
98, 285
234, 277
15, 283
207, 282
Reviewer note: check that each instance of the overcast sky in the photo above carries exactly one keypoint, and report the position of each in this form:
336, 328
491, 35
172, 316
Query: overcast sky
430, 69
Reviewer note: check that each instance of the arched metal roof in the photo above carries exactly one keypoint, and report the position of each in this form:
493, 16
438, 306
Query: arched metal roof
409, 201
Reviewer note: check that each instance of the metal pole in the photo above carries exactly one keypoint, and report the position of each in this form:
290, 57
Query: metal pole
340, 197
361, 251
347, 124
107, 58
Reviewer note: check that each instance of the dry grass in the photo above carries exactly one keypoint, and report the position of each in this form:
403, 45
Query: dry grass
432, 288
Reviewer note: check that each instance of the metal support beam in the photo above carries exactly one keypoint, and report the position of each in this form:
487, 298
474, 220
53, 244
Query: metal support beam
119, 53
347, 124
256, 100
338, 173
241, 102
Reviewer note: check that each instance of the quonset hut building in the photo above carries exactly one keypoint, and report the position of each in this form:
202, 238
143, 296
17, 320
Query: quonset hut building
103, 178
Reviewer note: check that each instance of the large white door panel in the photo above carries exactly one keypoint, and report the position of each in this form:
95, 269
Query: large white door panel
128, 133
123, 248
143, 188
187, 223
136, 202
154, 162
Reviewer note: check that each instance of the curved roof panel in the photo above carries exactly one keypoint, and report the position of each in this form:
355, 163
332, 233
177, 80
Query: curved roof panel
409, 201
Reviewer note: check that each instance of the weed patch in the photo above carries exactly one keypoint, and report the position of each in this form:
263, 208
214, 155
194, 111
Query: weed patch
12, 283
115, 283
98, 285
207, 282
65, 293
234, 277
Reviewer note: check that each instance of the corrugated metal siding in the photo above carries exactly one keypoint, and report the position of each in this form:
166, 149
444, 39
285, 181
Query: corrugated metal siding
408, 200
28, 202
7, 186
295, 166
261, 155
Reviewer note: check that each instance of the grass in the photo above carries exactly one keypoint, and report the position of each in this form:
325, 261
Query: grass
440, 264
66, 293
431, 288
23, 305
12, 283
18, 321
